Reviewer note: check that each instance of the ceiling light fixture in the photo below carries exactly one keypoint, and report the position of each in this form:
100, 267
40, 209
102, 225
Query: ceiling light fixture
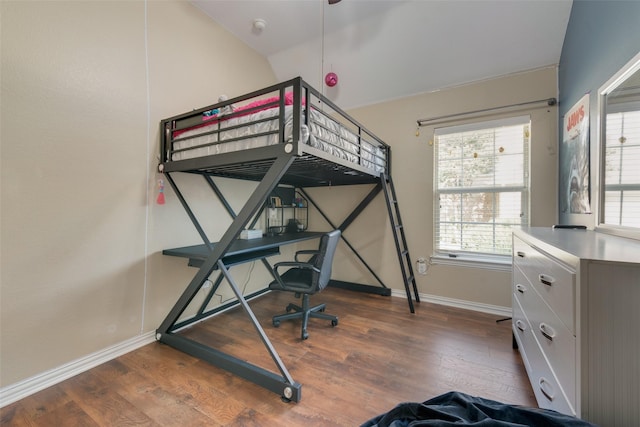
259, 25
334, 1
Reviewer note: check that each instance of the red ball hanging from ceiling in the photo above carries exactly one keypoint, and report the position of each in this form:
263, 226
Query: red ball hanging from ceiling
331, 79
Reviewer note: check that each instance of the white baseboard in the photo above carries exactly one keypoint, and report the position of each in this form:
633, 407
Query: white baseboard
22, 389
458, 303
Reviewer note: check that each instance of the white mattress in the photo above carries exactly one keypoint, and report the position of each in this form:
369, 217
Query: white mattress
326, 135
195, 144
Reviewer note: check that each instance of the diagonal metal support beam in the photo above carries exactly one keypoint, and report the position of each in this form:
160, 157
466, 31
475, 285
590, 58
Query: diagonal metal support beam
283, 384
257, 198
190, 213
363, 204
221, 197
209, 296
256, 324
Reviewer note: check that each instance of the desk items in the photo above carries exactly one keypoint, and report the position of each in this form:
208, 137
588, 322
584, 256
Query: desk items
250, 234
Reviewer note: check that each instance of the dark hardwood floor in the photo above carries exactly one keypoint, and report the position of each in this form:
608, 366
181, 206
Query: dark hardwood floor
378, 356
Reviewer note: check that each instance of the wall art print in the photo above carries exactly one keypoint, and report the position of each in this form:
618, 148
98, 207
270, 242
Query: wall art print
574, 160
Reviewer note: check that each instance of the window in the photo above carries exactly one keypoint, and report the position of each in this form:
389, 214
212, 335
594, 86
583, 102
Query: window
618, 182
482, 187
621, 174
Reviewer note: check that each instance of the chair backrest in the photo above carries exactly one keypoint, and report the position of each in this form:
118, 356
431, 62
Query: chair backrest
324, 259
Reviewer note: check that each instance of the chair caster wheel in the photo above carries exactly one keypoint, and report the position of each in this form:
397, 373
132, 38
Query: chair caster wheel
305, 335
334, 322
276, 323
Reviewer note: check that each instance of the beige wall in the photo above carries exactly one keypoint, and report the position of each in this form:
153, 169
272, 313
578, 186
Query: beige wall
412, 171
84, 85
82, 96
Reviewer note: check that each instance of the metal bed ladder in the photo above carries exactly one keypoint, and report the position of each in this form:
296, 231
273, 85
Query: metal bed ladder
401, 242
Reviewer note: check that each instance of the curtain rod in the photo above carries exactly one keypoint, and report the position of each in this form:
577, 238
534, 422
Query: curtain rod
423, 122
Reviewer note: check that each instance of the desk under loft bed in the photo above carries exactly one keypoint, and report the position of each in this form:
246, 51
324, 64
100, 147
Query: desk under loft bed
286, 134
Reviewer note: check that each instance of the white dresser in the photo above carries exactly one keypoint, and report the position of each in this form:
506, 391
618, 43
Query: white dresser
576, 322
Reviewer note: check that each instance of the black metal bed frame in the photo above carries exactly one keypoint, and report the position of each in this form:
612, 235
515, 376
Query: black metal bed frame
289, 162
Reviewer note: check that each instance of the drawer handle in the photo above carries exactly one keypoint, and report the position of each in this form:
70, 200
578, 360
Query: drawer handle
520, 254
546, 280
520, 325
547, 331
521, 288
546, 388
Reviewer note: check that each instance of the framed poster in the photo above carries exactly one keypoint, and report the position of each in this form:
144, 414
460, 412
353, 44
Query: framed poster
574, 160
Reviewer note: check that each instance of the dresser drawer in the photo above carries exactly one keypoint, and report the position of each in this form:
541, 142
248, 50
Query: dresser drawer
549, 394
555, 340
554, 282
522, 333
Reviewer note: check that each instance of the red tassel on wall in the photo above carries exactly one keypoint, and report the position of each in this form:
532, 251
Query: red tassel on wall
160, 199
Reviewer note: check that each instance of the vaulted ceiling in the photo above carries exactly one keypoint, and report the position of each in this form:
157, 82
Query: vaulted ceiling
387, 49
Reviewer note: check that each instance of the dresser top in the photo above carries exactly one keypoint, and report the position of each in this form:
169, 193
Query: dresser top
583, 244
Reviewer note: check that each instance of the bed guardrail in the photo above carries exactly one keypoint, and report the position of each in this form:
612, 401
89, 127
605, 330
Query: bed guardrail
275, 114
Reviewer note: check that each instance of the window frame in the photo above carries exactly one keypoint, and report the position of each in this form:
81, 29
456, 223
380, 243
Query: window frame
500, 262
614, 82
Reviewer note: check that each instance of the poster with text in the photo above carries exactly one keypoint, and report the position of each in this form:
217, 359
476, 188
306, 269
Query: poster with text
574, 160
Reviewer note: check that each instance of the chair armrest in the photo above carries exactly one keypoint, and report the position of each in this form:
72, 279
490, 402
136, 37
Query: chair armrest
296, 265
306, 252
292, 264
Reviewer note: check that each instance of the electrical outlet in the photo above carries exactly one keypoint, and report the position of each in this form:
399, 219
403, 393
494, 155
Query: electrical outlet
422, 266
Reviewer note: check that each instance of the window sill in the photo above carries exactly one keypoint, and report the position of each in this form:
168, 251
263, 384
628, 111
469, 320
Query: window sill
628, 232
486, 263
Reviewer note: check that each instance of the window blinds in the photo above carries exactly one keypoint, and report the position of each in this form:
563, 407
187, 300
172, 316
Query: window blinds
482, 185
621, 172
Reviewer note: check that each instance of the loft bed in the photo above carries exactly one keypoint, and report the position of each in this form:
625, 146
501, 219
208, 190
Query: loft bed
327, 146
286, 134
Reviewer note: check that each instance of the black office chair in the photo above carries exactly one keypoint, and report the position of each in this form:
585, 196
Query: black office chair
307, 278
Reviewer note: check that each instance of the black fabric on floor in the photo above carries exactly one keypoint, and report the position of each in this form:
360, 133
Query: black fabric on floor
459, 409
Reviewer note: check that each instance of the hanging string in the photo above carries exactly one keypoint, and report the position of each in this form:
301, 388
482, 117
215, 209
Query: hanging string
322, 51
